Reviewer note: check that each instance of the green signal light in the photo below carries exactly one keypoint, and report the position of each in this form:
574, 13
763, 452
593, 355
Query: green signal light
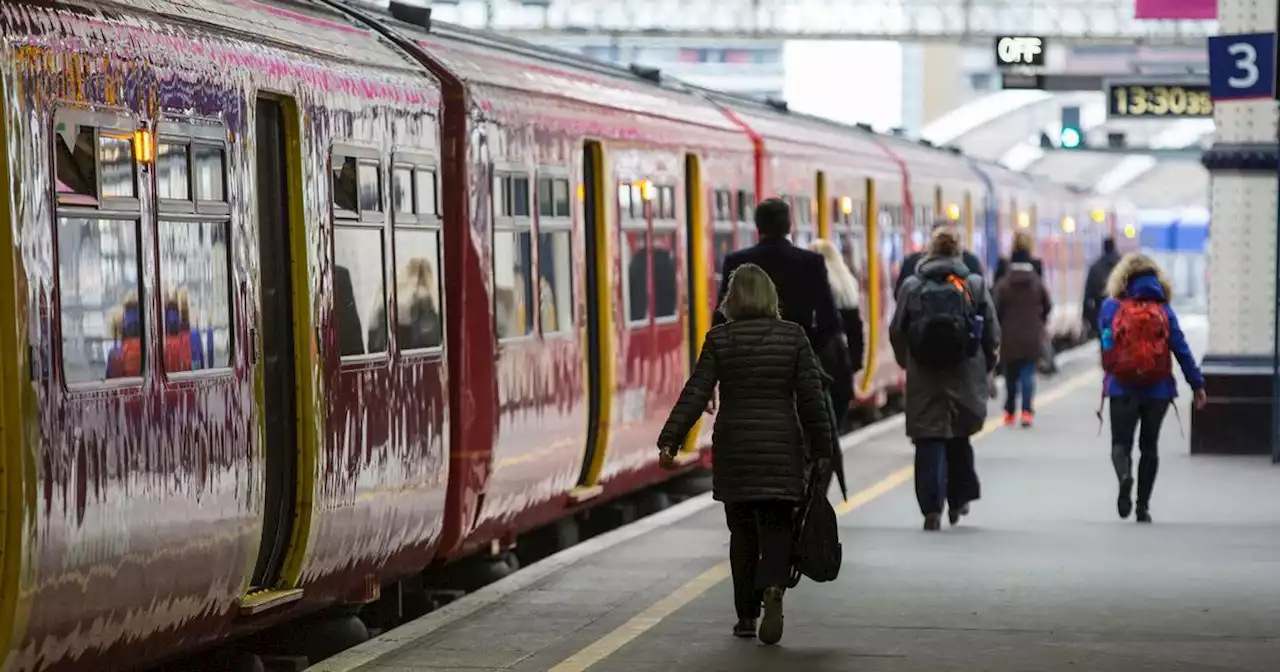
1070, 138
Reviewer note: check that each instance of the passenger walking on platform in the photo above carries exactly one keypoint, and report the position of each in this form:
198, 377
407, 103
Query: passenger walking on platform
804, 293
1022, 307
945, 334
1095, 285
773, 427
841, 358
913, 260
1140, 337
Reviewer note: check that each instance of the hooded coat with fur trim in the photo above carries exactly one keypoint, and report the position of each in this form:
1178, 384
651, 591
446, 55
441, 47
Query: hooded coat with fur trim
1138, 278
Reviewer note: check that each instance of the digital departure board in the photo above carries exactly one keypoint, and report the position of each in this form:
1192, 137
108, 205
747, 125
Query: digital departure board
1147, 100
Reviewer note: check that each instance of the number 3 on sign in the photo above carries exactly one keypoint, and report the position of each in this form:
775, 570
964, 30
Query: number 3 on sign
1247, 62
1242, 67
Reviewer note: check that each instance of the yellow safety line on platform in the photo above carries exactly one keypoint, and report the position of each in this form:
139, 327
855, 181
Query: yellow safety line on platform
673, 602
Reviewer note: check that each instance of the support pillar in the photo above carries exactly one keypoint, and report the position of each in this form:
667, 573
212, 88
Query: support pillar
1243, 272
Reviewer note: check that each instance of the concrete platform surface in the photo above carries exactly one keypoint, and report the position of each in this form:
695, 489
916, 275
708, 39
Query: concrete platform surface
1042, 576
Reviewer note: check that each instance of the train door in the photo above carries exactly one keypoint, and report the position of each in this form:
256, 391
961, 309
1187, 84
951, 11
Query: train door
278, 355
599, 304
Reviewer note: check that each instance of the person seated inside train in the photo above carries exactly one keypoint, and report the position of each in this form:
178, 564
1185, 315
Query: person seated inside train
773, 432
913, 260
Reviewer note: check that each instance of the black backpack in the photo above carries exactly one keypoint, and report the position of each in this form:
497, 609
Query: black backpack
940, 332
815, 550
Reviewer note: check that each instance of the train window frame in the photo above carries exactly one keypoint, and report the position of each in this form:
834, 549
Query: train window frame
363, 157
505, 221
113, 208
551, 224
745, 200
196, 210
719, 196
417, 221
363, 220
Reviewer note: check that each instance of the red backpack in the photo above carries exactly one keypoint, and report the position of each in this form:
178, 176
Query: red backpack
1139, 354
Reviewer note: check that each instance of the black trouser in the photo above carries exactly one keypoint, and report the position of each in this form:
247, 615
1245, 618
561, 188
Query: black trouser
945, 473
1127, 413
760, 536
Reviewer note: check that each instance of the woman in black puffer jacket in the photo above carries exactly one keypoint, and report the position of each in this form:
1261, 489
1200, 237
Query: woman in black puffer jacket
772, 423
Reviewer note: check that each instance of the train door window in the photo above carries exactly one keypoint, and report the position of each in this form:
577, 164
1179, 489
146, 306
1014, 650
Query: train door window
418, 263
194, 232
664, 257
555, 256
513, 288
359, 252
100, 295
635, 256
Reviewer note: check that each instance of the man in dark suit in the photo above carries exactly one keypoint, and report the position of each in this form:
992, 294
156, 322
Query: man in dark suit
913, 260
800, 275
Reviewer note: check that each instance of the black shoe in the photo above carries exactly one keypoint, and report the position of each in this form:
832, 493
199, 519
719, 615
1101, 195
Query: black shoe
745, 628
1124, 504
933, 522
771, 624
954, 513
1144, 516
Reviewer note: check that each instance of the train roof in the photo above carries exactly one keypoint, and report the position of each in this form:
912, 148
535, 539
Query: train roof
489, 62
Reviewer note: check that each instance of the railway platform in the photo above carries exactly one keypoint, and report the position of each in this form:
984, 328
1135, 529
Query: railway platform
1042, 575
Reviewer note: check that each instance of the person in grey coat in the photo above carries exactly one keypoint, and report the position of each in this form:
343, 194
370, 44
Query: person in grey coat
944, 407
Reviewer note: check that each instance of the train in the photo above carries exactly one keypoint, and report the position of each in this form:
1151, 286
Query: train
306, 299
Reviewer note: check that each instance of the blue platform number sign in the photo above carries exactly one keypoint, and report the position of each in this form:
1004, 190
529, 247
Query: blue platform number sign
1242, 67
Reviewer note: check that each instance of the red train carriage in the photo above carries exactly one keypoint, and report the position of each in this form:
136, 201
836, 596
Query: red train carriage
305, 299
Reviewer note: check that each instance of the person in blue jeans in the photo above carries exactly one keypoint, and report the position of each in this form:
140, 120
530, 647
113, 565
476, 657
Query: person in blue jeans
948, 405
1141, 408
1022, 306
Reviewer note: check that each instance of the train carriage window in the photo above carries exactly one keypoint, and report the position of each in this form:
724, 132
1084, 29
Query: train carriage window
637, 200
555, 256
195, 287
173, 171
724, 206
425, 194
746, 205
555, 266
514, 297
101, 299
418, 263
116, 165
546, 203
666, 202
359, 253
513, 283
624, 200
359, 290
560, 193
418, 316
194, 235
402, 184
211, 175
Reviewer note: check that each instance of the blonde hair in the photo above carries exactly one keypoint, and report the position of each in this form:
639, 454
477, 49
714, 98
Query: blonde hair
751, 294
1023, 242
843, 284
945, 242
1132, 264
